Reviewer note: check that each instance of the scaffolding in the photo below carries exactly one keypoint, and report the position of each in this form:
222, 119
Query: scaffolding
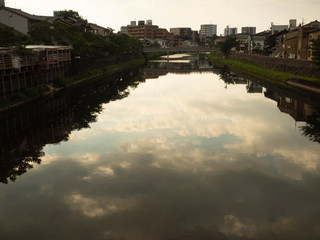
42, 66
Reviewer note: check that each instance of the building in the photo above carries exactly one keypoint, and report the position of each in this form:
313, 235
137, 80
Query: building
243, 39
98, 30
303, 39
278, 28
182, 32
147, 31
230, 31
207, 31
313, 35
124, 30
20, 21
290, 46
41, 68
274, 44
292, 23
250, 30
257, 42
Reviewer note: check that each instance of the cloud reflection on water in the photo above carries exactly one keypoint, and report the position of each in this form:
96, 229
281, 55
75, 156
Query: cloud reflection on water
201, 162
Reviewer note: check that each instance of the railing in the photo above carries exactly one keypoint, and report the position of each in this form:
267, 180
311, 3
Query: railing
181, 49
6, 62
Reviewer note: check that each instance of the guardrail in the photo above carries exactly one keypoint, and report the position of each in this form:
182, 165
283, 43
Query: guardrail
181, 49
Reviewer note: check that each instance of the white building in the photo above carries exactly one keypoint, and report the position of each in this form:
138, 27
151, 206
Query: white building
230, 31
207, 30
19, 20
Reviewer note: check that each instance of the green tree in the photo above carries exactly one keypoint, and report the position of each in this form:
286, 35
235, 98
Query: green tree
69, 13
227, 45
9, 38
41, 33
315, 47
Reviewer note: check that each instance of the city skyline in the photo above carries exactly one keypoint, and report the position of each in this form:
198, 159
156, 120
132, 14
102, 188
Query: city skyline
190, 13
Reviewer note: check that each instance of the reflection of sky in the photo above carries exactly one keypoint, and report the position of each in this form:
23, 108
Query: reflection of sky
180, 158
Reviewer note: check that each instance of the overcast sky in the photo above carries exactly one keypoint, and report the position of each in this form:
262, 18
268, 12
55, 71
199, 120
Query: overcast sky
181, 13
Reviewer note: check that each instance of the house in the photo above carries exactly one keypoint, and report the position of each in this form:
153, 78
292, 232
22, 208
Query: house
274, 44
290, 45
295, 43
98, 30
313, 35
20, 21
243, 39
257, 41
303, 39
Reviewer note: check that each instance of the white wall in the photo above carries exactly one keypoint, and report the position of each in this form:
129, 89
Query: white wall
13, 20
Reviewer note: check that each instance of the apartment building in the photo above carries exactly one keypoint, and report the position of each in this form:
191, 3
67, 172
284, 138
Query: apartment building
142, 31
230, 31
278, 28
207, 31
249, 30
182, 32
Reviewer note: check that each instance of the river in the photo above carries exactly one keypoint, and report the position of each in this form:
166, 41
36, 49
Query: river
176, 150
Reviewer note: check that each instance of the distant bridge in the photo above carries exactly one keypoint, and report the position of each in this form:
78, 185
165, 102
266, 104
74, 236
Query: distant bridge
180, 49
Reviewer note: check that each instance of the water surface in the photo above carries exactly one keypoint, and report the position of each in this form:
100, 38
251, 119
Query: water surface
182, 154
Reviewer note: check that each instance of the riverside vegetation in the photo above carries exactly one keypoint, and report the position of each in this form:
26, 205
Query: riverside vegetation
95, 55
258, 71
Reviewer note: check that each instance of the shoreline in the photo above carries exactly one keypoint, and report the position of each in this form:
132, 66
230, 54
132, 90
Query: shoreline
104, 71
281, 78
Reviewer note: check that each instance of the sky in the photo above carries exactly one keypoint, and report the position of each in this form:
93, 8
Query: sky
181, 13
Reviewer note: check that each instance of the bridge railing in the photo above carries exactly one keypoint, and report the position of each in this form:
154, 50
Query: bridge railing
181, 49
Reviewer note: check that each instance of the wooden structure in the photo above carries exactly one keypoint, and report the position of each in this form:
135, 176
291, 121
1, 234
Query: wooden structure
43, 66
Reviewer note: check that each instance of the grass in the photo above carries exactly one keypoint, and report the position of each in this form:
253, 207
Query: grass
257, 71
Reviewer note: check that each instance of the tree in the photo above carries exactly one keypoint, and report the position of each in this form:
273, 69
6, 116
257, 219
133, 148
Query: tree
69, 13
315, 47
227, 45
9, 38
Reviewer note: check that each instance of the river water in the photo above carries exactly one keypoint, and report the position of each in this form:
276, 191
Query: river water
176, 150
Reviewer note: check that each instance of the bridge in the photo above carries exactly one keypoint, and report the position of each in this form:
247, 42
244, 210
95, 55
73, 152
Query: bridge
180, 49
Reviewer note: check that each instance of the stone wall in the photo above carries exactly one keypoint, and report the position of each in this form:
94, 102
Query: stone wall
295, 66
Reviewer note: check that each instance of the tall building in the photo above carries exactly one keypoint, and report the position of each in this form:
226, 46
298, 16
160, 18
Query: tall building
124, 30
249, 30
182, 32
292, 23
278, 28
207, 30
230, 31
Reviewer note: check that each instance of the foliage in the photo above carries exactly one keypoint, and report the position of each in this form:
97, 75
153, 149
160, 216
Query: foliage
85, 44
69, 14
9, 38
312, 128
227, 76
259, 72
315, 47
227, 45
